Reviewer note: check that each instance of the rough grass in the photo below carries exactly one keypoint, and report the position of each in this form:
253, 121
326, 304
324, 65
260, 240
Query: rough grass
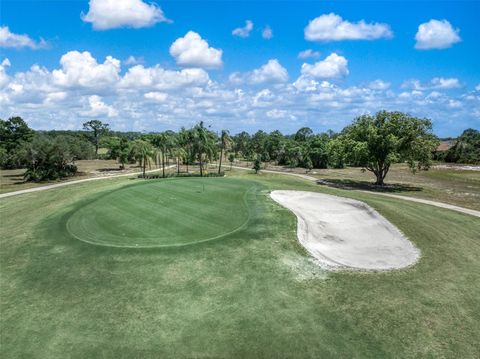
252, 294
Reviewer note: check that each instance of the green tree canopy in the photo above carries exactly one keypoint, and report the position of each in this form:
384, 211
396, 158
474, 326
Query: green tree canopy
375, 142
97, 128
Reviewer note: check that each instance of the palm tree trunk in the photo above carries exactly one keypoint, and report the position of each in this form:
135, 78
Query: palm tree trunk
163, 164
220, 163
201, 166
144, 165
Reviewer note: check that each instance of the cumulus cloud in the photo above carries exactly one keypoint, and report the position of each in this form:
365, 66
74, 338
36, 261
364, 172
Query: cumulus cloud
477, 88
436, 34
379, 85
158, 78
271, 72
331, 27
193, 51
441, 83
111, 14
305, 54
156, 96
132, 60
155, 99
99, 108
267, 32
334, 66
11, 40
3, 72
243, 31
81, 69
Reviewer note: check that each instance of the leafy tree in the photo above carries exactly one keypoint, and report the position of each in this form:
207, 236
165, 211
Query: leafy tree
225, 142
375, 142
231, 159
257, 164
14, 133
242, 143
466, 148
49, 158
98, 129
318, 151
336, 153
303, 134
308, 164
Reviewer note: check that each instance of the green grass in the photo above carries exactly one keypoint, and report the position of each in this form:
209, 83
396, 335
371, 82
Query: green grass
162, 213
252, 294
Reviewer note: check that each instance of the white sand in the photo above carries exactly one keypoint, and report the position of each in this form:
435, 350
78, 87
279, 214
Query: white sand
345, 233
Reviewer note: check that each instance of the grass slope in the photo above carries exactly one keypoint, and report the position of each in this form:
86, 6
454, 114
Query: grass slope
160, 213
252, 294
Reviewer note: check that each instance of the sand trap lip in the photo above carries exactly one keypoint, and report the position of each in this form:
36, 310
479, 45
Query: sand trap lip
345, 233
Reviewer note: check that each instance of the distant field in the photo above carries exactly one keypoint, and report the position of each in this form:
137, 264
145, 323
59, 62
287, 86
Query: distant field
443, 184
12, 180
253, 293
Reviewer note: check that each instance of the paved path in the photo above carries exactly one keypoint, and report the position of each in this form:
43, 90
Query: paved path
310, 178
411, 199
68, 183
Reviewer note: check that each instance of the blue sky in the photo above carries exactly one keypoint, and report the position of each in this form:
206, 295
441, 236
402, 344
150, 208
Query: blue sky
168, 64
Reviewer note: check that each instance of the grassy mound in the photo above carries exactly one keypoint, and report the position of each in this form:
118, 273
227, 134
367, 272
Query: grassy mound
161, 214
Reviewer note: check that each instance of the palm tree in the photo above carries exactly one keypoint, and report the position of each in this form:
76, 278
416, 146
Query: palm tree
203, 144
225, 142
143, 152
185, 141
164, 142
179, 152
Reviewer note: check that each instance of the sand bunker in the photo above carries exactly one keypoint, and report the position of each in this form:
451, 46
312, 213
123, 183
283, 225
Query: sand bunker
344, 233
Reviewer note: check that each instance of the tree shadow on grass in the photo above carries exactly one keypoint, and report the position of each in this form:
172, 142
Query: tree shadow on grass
368, 186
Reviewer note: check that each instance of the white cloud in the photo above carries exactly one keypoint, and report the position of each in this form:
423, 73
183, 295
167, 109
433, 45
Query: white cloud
267, 33
156, 99
193, 51
9, 39
305, 54
243, 31
271, 72
436, 34
441, 83
99, 108
158, 78
331, 27
132, 60
3, 72
477, 88
80, 69
334, 66
379, 85
111, 14
156, 96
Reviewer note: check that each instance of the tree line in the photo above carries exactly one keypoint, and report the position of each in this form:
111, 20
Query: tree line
372, 142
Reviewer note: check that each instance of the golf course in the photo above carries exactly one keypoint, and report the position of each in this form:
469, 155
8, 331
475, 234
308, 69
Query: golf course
211, 267
239, 179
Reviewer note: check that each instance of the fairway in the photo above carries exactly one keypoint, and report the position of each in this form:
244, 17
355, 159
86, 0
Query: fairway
162, 213
253, 293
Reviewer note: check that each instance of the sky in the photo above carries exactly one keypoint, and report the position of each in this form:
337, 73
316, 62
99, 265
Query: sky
156, 65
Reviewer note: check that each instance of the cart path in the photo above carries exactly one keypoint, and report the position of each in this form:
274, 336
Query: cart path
452, 207
299, 175
63, 184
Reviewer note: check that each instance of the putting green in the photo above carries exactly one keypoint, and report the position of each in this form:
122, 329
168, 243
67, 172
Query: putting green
163, 213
